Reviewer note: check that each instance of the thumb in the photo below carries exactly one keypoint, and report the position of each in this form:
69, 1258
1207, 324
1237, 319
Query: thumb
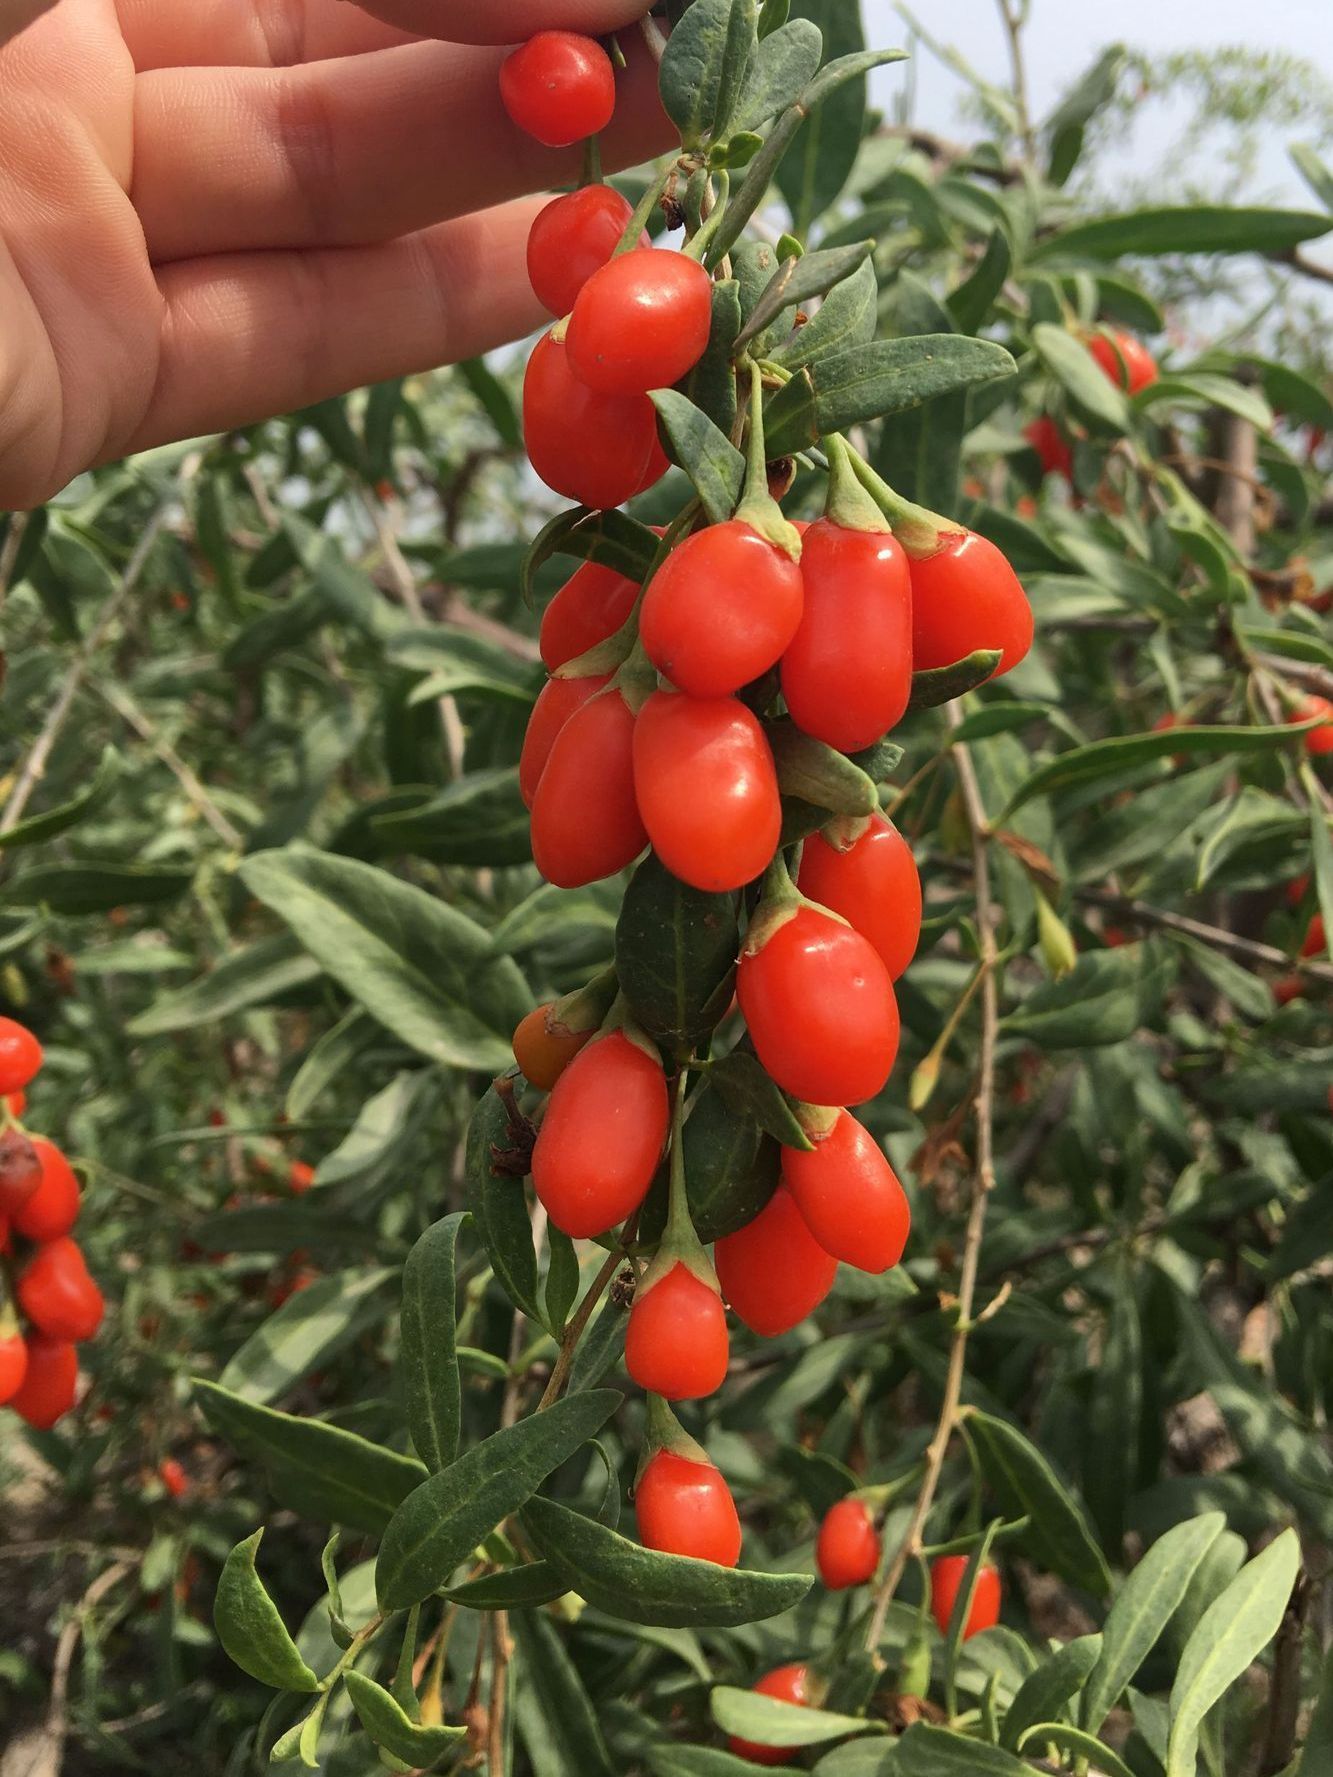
495, 21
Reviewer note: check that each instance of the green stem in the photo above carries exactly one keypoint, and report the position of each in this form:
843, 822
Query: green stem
917, 528
758, 508
592, 161
360, 1641
642, 214
697, 246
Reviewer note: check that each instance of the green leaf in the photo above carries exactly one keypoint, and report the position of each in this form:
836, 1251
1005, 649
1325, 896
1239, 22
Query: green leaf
94, 887
817, 773
423, 969
971, 302
612, 538
444, 1519
770, 1722
1116, 1409
1066, 125
318, 1470
705, 67
1143, 1607
641, 1586
1027, 1486
252, 976
926, 1751
562, 1279
711, 385
327, 1058
1105, 998
942, 684
499, 1207
821, 159
1186, 228
307, 1330
459, 662
249, 1627
1124, 752
556, 1716
801, 277
1202, 388
676, 950
495, 398
921, 451
885, 376
1076, 1741
731, 1169
390, 1726
514, 1588
787, 62
1232, 1632
1082, 378
1045, 1692
428, 1355
674, 1759
40, 827
749, 1091
479, 821
844, 320
709, 458
1317, 1753
1314, 172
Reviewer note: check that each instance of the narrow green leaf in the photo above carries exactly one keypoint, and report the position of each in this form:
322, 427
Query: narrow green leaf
926, 1751
820, 161
749, 1091
40, 827
1026, 1485
942, 684
641, 1586
389, 1725
705, 67
799, 278
612, 538
1232, 1632
1186, 228
477, 822
844, 320
787, 62
255, 975
94, 887
1077, 1741
514, 1588
496, 1199
327, 1058
971, 302
1046, 1691
428, 1356
444, 1519
249, 1627
554, 1708
676, 950
710, 459
305, 1332
770, 1722
1082, 378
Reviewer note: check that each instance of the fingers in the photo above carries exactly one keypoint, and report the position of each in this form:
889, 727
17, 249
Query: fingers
506, 21
248, 33
17, 15
257, 334
348, 152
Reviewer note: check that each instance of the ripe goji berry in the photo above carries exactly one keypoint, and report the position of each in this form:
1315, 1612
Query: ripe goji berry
585, 817
20, 1170
48, 1388
820, 1007
300, 1177
847, 674
601, 1138
573, 237
640, 322
1315, 740
707, 789
1051, 446
173, 1477
53, 1208
685, 1508
849, 1195
676, 1342
965, 596
1125, 360
13, 1366
847, 1548
556, 703
544, 1048
20, 1055
559, 87
594, 448
773, 1271
57, 1293
721, 609
592, 605
873, 882
946, 1577
789, 1684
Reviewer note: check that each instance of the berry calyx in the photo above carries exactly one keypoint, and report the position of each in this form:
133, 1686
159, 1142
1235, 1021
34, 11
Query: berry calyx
865, 871
676, 1342
20, 1055
640, 322
1124, 360
57, 1293
721, 609
50, 1383
589, 608
585, 815
849, 1195
946, 1577
847, 1549
602, 1135
684, 1507
53, 1208
773, 1271
707, 789
594, 448
819, 1005
966, 597
559, 87
556, 703
789, 1684
573, 237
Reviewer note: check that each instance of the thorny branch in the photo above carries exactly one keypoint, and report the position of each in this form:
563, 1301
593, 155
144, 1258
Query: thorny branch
983, 1182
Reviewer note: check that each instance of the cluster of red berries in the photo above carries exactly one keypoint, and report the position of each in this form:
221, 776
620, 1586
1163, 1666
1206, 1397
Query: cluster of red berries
1127, 363
49, 1303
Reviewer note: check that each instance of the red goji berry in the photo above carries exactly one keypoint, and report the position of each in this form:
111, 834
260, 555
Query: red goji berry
20, 1055
847, 1549
594, 448
573, 237
849, 1195
1315, 740
965, 596
13, 1366
676, 1342
946, 1577
48, 1388
602, 1136
57, 1293
789, 1684
721, 609
685, 1508
1125, 360
640, 322
300, 1177
773, 1271
53, 1208
543, 1050
173, 1477
585, 816
556, 703
873, 883
20, 1170
559, 87
1051, 446
592, 605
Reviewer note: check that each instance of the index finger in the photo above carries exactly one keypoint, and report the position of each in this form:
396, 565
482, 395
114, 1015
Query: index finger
505, 21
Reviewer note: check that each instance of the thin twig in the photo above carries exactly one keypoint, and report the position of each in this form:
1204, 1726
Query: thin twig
1012, 14
125, 707
983, 1182
1302, 262
34, 766
574, 1331
57, 1719
495, 1734
9, 550
1248, 950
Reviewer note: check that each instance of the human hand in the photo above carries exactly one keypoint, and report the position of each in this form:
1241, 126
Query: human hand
215, 212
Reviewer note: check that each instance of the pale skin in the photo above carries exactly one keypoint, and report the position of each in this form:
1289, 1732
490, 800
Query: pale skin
212, 211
